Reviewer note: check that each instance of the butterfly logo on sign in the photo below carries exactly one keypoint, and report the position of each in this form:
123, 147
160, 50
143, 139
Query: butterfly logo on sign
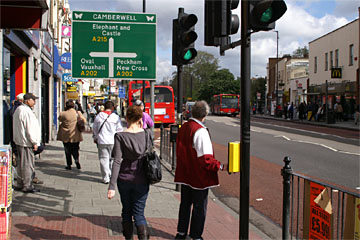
150, 18
78, 16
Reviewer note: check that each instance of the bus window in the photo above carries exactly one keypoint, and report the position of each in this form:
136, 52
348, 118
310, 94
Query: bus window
161, 95
229, 102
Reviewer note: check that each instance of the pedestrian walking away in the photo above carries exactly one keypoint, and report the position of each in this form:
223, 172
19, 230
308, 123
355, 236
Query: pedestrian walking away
106, 124
69, 133
128, 173
27, 138
196, 171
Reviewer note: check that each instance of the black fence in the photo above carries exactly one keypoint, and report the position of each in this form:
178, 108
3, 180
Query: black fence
167, 148
301, 221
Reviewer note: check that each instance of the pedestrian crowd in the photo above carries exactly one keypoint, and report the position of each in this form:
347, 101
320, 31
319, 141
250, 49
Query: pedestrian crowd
313, 111
121, 157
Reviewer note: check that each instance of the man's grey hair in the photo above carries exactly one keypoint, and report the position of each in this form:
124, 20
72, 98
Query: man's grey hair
200, 109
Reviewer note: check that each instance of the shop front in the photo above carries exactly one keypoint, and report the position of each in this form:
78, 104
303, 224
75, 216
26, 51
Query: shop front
343, 93
16, 49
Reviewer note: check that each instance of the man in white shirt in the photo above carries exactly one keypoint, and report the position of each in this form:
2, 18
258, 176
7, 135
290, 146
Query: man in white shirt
106, 124
27, 137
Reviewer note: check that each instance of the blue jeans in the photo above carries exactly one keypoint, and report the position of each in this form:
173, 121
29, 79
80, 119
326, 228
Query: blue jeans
133, 199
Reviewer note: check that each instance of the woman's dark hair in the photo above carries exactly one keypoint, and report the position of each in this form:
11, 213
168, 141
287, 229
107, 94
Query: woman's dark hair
133, 114
69, 104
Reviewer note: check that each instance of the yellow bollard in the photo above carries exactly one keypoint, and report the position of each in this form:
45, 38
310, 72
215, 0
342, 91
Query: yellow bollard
234, 157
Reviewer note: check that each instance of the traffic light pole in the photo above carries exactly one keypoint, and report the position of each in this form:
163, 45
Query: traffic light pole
179, 93
245, 122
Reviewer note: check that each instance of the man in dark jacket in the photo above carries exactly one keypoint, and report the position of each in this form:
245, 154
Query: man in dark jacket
196, 170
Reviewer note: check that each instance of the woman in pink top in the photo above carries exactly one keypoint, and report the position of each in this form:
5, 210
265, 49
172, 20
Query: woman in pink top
147, 121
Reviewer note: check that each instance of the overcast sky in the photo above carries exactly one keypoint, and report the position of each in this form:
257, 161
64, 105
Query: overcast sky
304, 21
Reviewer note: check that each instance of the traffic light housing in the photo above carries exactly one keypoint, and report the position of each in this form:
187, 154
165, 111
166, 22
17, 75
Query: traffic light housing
264, 13
220, 22
184, 37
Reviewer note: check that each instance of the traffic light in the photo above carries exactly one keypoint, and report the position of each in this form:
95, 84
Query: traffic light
264, 13
220, 22
184, 37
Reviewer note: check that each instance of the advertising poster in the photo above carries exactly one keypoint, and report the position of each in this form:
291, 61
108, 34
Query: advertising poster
5, 177
320, 219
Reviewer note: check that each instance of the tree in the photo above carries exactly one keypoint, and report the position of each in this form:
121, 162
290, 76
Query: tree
196, 74
221, 81
258, 86
301, 52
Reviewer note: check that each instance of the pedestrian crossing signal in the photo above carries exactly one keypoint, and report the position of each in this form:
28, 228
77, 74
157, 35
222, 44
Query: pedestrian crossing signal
234, 157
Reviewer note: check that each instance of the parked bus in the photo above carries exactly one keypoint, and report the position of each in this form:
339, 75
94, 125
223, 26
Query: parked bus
133, 90
225, 104
164, 105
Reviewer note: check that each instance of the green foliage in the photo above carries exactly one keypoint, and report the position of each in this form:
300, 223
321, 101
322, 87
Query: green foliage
301, 52
221, 81
196, 74
258, 85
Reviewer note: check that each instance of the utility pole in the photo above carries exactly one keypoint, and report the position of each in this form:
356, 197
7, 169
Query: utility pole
277, 70
245, 122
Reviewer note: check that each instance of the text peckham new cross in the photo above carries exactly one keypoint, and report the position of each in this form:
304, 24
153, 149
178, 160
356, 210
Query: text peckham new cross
113, 45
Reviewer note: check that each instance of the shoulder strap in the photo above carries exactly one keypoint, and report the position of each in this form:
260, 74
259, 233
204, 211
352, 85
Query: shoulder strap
103, 123
146, 140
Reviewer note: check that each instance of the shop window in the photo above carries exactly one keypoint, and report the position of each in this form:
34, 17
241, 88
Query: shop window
6, 75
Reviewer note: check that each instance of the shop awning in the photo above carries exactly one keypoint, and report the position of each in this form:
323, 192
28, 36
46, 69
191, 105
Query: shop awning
28, 14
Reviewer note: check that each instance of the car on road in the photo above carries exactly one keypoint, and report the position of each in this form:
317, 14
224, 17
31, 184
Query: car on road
187, 111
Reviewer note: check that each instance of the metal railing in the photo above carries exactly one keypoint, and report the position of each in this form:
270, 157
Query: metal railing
295, 195
167, 148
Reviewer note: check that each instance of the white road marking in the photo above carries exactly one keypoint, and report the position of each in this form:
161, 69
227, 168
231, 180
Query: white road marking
318, 144
286, 138
253, 130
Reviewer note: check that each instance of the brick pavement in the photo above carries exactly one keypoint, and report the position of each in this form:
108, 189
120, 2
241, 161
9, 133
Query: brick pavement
73, 204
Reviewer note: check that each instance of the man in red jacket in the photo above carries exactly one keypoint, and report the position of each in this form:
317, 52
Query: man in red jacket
196, 171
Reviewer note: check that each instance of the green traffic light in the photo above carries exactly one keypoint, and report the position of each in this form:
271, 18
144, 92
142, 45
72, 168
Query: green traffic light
188, 55
267, 15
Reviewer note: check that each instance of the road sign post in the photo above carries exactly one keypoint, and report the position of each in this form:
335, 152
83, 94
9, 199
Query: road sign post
113, 45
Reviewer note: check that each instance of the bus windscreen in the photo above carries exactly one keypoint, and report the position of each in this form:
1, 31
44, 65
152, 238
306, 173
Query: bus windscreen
229, 102
161, 95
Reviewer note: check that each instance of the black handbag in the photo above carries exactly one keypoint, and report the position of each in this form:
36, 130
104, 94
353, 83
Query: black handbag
152, 162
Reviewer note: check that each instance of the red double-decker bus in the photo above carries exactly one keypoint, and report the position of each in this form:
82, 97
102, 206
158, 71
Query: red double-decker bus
134, 90
225, 104
164, 105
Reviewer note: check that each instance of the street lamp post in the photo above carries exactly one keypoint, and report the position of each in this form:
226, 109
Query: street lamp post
277, 74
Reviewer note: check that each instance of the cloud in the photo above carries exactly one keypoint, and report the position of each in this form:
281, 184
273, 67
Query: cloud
296, 29
347, 8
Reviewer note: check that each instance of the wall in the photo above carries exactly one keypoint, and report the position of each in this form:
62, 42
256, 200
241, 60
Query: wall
340, 39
